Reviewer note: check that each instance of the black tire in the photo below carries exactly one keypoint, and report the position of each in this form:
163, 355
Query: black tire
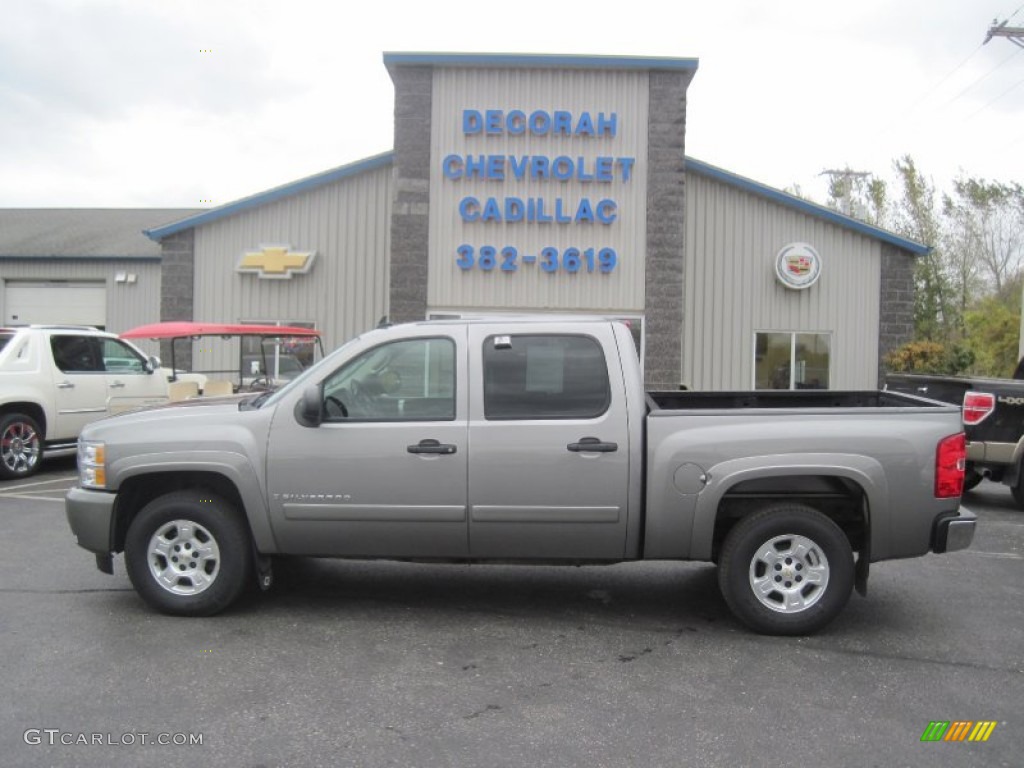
196, 571
1017, 489
21, 446
779, 549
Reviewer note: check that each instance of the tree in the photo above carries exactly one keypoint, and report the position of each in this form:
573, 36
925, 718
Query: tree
929, 357
858, 194
968, 288
938, 298
992, 332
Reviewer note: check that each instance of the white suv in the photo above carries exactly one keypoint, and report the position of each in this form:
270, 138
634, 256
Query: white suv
56, 379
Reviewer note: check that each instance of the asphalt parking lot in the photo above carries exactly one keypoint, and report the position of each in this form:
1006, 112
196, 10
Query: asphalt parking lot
366, 664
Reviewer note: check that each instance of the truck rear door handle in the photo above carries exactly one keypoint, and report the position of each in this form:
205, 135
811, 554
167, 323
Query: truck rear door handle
431, 446
592, 445
65, 385
117, 385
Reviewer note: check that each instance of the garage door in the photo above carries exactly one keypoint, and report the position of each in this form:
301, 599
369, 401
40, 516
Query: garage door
55, 303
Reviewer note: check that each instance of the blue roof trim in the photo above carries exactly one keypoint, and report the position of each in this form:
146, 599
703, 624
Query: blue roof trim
272, 195
80, 259
804, 206
539, 60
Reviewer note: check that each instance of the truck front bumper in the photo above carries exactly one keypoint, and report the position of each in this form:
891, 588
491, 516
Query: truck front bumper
91, 515
953, 533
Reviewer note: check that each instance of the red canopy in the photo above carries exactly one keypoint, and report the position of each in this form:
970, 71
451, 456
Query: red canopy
179, 330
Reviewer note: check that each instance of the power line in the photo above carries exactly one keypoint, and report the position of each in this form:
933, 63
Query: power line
997, 98
952, 72
997, 66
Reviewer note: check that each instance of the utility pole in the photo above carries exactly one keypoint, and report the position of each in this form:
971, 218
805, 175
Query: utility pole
843, 181
1014, 34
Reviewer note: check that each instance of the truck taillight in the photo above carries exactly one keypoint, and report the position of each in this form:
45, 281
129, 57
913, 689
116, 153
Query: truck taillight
950, 462
977, 406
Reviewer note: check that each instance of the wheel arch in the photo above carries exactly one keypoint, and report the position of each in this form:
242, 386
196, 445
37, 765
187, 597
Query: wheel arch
139, 489
850, 490
30, 409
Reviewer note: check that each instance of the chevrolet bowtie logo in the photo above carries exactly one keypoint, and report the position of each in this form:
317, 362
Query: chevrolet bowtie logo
276, 261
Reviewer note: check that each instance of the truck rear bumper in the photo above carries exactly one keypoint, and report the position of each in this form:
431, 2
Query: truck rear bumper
90, 514
954, 533
991, 453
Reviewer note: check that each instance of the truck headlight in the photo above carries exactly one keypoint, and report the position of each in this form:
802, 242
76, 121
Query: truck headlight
92, 464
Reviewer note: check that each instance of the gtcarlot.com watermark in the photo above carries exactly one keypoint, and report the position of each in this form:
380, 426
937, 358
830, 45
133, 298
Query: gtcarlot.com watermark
55, 736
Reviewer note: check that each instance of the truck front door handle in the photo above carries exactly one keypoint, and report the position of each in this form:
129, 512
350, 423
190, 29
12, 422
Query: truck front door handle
592, 445
431, 446
65, 385
117, 385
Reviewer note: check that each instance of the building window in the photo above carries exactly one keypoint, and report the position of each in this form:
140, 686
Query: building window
784, 360
544, 377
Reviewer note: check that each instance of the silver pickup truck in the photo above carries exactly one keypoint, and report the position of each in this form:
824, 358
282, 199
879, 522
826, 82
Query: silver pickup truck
529, 441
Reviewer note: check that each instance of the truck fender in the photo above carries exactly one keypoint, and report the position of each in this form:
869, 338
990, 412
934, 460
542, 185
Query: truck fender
866, 472
235, 467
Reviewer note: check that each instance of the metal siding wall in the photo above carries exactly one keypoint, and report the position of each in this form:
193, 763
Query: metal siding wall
625, 93
731, 291
127, 305
345, 293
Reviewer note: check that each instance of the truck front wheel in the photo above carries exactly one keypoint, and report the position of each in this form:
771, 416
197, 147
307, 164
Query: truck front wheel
21, 446
188, 553
786, 570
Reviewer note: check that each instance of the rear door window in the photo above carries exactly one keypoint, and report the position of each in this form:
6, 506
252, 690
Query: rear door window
77, 354
544, 377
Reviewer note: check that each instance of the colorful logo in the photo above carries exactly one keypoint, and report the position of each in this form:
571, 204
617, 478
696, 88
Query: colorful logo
958, 730
798, 266
276, 262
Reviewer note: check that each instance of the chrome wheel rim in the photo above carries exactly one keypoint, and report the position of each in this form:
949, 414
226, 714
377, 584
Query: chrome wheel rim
789, 573
19, 447
184, 558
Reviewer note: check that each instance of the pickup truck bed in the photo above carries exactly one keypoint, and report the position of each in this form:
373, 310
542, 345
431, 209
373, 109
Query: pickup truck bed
801, 399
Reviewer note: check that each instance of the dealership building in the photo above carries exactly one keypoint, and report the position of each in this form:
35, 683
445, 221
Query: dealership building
555, 184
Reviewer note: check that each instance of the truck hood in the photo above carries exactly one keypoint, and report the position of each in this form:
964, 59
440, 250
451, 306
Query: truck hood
189, 419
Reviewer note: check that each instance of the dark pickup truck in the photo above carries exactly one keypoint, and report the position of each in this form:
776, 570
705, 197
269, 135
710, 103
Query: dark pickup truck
993, 416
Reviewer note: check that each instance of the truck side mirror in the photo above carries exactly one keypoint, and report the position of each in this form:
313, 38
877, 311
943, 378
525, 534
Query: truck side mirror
152, 364
310, 408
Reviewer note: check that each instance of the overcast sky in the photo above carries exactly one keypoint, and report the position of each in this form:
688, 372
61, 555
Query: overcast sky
167, 103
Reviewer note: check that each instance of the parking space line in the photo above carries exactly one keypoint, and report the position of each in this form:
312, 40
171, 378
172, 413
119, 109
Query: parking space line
39, 493
1004, 555
28, 498
39, 482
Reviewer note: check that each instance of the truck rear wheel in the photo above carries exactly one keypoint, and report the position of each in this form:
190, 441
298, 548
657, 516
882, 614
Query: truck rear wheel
188, 553
786, 570
21, 446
